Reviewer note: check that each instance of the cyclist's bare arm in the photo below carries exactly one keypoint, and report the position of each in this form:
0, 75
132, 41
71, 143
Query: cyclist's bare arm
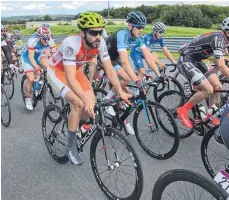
31, 59
222, 66
92, 69
150, 59
168, 54
123, 55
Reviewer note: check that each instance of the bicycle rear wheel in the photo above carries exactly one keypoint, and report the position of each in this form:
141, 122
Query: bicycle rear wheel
184, 184
54, 133
8, 83
114, 160
5, 108
155, 136
172, 100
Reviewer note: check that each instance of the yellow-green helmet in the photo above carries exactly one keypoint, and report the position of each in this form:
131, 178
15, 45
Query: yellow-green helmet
90, 20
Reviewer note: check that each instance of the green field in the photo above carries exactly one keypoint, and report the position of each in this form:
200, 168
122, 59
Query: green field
172, 31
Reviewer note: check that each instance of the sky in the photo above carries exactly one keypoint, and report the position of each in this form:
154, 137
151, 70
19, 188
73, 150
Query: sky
22, 8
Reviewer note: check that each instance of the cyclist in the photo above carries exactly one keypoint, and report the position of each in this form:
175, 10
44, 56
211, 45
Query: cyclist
66, 76
35, 53
150, 40
191, 66
5, 49
117, 47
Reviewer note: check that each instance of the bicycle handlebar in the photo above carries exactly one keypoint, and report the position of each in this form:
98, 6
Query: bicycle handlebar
171, 64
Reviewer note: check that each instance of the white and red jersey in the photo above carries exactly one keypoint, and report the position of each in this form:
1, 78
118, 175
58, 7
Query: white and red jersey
72, 51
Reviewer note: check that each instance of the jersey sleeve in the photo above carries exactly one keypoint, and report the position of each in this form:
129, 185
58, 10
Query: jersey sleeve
70, 49
147, 40
32, 43
121, 40
218, 46
140, 42
103, 51
161, 42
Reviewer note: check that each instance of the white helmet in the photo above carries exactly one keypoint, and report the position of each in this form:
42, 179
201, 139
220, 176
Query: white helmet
225, 24
45, 25
159, 26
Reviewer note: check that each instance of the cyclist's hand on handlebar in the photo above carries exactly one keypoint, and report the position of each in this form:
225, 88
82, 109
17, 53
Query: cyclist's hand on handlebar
89, 108
163, 79
125, 96
162, 66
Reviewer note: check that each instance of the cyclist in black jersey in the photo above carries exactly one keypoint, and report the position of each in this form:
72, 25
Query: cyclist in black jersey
201, 75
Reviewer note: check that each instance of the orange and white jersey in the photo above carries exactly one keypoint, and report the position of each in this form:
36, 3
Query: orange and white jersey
72, 51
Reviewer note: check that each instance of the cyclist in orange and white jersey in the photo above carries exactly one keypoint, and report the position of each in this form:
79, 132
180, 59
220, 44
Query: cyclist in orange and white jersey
66, 76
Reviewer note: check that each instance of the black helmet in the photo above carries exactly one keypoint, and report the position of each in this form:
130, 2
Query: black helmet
136, 18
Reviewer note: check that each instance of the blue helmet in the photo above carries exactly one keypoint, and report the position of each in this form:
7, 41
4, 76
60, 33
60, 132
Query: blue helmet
136, 18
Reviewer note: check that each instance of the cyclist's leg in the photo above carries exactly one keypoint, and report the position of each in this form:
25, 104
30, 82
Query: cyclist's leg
192, 73
210, 74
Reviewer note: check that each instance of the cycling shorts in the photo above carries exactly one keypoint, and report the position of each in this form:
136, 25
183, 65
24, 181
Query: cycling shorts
116, 64
193, 70
58, 81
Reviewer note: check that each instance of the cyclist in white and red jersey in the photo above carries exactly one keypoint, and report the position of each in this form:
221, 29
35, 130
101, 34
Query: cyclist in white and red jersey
66, 76
199, 74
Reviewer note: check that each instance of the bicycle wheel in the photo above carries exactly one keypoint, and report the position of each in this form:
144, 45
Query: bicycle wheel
54, 133
5, 108
114, 160
8, 83
184, 184
23, 88
50, 97
172, 100
154, 137
19, 65
181, 78
214, 155
173, 84
225, 86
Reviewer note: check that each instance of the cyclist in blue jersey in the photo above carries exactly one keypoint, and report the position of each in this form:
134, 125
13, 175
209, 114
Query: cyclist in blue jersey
35, 53
151, 40
117, 44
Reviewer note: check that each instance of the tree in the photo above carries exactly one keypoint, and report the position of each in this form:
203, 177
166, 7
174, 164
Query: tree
47, 18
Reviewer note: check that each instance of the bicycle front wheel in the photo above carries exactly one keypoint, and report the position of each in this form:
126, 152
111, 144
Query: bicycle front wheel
116, 166
153, 126
184, 184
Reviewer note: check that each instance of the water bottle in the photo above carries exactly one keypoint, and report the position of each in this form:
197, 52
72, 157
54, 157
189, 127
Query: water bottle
202, 111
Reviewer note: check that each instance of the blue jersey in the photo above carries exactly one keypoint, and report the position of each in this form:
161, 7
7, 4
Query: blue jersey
151, 42
121, 41
34, 43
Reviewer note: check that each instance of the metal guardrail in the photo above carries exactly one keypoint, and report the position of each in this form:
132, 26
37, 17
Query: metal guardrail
172, 43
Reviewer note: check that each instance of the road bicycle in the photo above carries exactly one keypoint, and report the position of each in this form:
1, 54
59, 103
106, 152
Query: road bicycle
112, 157
153, 124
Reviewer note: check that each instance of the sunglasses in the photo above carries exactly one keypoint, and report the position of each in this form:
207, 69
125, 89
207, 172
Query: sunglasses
94, 33
160, 32
138, 26
45, 38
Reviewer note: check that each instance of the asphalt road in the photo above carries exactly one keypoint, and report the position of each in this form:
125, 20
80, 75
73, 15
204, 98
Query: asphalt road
29, 172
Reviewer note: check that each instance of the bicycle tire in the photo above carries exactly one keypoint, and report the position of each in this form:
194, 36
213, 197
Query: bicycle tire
136, 122
115, 134
188, 176
8, 81
165, 94
22, 88
48, 92
177, 84
3, 95
49, 142
204, 152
